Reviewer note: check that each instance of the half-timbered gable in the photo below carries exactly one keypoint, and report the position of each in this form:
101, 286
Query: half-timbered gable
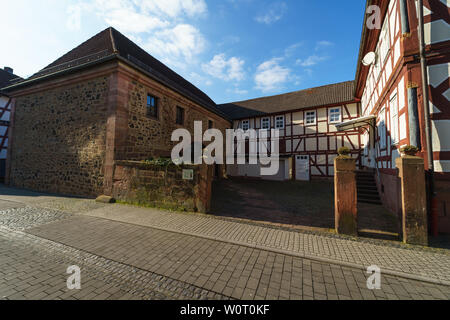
307, 123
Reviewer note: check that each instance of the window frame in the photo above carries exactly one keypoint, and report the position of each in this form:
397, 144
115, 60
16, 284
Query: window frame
183, 115
385, 44
394, 127
306, 118
382, 129
262, 123
156, 106
248, 124
330, 115
276, 118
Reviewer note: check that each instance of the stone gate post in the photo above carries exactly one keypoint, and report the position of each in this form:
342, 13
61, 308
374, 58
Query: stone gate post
345, 194
414, 200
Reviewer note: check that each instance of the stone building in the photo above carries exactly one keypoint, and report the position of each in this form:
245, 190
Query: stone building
106, 100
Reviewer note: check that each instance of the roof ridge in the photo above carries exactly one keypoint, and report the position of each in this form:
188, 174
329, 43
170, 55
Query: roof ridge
293, 92
113, 40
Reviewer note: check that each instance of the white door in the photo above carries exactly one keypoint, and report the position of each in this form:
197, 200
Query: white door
302, 168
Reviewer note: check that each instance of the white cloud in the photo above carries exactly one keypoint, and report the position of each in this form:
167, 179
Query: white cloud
324, 44
127, 20
271, 76
274, 13
310, 61
74, 18
183, 41
239, 91
221, 68
173, 8
289, 51
159, 26
199, 80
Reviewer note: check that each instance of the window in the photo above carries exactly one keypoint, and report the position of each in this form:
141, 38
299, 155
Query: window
265, 123
279, 122
382, 129
384, 39
394, 120
152, 106
180, 116
335, 115
245, 125
210, 124
310, 117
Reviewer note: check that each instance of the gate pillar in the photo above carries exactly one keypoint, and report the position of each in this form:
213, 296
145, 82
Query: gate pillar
345, 194
414, 200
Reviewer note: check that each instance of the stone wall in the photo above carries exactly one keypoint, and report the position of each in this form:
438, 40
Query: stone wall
148, 137
163, 187
59, 139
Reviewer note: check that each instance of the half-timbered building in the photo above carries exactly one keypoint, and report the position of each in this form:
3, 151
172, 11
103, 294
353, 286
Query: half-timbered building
389, 86
6, 78
306, 120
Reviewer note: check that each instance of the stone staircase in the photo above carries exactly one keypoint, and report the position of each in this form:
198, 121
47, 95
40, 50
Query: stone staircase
367, 187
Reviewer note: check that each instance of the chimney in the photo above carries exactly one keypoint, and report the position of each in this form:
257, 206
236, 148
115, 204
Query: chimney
9, 70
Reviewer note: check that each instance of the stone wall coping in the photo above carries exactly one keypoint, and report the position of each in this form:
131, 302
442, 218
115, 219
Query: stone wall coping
344, 164
150, 166
410, 159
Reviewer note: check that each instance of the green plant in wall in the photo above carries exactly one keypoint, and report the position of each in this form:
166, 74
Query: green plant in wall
344, 152
409, 150
160, 162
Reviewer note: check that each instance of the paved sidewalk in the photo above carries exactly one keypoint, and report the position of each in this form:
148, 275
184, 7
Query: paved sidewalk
230, 270
32, 268
222, 257
414, 263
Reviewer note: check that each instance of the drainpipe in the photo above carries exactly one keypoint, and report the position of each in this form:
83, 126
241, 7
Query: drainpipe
426, 107
404, 16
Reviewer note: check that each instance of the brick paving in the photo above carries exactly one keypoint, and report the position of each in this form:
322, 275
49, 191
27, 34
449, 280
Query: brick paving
128, 261
394, 258
293, 203
32, 268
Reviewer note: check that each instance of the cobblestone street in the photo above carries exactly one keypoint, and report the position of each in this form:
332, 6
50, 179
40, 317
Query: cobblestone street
41, 235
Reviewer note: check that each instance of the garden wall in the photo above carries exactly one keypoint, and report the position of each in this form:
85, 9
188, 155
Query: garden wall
163, 186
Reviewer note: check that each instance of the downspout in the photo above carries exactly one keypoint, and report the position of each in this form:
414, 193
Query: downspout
426, 107
404, 16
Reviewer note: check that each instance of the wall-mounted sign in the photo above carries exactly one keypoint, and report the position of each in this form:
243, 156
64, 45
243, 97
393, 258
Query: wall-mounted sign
188, 174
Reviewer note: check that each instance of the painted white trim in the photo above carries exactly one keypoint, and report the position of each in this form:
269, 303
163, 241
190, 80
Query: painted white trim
340, 115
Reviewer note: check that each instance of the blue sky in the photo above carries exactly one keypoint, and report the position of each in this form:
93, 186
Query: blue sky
231, 49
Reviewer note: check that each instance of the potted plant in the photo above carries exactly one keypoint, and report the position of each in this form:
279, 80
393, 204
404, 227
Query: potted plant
344, 152
409, 150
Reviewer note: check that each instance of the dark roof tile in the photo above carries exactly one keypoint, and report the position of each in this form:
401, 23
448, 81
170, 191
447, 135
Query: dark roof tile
111, 43
314, 97
7, 78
